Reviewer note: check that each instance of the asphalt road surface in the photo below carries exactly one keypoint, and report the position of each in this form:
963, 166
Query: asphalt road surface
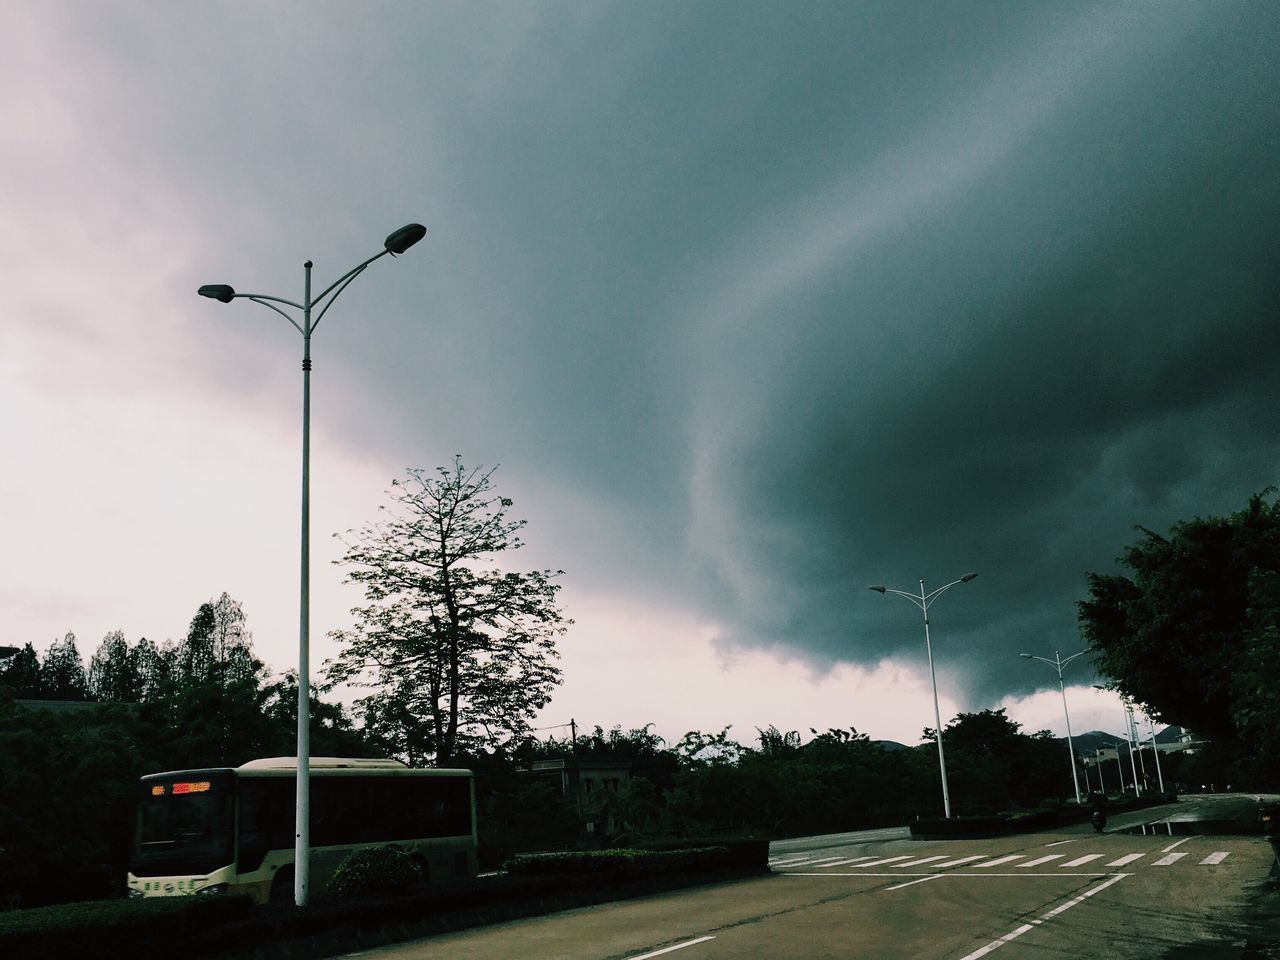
879, 894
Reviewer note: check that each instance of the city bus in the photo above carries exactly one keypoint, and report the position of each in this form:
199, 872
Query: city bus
231, 829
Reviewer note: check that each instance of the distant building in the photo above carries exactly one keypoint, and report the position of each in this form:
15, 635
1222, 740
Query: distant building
591, 784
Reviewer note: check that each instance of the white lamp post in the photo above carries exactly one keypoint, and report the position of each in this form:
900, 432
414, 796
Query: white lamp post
923, 602
1058, 663
1155, 749
395, 244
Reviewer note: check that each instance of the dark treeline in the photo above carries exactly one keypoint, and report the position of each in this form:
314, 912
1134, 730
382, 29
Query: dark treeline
68, 771
779, 786
69, 768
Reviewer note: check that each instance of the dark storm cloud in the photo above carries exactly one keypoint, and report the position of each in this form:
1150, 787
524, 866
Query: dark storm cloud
803, 296
832, 296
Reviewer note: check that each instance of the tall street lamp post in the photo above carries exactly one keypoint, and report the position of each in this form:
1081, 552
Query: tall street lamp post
923, 601
1058, 663
1155, 750
395, 244
1133, 764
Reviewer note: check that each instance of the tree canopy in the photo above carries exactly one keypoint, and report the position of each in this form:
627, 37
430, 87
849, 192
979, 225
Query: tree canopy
459, 653
1190, 631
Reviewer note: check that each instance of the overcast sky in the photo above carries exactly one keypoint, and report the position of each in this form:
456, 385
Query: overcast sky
754, 304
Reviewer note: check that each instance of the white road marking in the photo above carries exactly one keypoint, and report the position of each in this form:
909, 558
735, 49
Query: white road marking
912, 883
1039, 860
958, 873
1060, 843
804, 863
1002, 860
845, 863
678, 946
1169, 860
1213, 858
880, 863
952, 863
1078, 861
1019, 931
1127, 859
916, 863
1178, 844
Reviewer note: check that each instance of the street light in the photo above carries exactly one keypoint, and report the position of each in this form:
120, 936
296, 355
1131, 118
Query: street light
923, 602
395, 244
1058, 663
1133, 765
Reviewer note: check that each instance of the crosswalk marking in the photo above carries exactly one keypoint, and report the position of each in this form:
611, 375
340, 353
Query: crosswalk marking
952, 863
1080, 861
1039, 860
916, 863
1121, 861
879, 863
1002, 860
985, 861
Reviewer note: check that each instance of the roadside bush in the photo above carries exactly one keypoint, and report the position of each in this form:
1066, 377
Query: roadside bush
619, 863
118, 928
375, 872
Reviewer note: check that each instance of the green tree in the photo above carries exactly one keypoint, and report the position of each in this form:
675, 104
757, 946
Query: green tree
22, 674
62, 674
461, 653
113, 675
993, 766
1190, 630
154, 668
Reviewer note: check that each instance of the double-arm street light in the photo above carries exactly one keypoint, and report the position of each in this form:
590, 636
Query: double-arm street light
923, 601
395, 244
1058, 663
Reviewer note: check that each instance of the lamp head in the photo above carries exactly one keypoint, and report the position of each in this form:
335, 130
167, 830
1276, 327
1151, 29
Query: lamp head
404, 238
878, 588
217, 291
967, 577
1027, 655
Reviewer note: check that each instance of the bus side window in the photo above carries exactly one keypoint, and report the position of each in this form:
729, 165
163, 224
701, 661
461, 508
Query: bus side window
254, 839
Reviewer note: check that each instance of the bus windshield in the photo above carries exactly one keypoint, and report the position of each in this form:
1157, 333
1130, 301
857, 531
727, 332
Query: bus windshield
184, 824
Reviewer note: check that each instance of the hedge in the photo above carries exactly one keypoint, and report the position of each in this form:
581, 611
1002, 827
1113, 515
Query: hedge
205, 927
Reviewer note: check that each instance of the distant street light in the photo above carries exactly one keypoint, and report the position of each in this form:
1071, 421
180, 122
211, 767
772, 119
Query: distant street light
395, 244
1133, 764
923, 602
1155, 749
1058, 663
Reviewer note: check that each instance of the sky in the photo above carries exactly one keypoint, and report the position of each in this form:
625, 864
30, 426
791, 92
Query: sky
752, 305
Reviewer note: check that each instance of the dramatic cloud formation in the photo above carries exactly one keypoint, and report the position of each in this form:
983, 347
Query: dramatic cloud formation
756, 305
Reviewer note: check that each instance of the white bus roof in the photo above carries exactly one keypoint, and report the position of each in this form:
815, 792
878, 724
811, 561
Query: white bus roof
323, 763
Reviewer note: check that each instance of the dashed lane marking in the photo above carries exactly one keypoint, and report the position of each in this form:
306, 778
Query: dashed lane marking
1019, 931
671, 949
1169, 860
1214, 858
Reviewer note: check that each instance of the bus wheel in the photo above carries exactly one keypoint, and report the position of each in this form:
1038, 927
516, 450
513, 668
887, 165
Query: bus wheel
282, 886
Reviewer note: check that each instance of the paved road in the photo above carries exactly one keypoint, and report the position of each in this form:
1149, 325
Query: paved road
879, 894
